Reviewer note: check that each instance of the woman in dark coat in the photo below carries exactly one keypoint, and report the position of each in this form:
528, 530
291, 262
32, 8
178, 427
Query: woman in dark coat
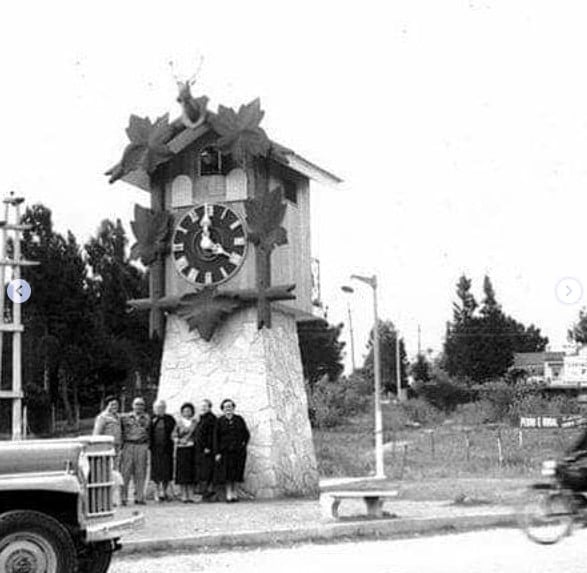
232, 437
161, 445
204, 449
185, 468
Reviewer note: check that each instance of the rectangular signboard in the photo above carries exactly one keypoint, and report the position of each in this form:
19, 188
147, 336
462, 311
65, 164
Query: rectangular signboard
575, 370
546, 422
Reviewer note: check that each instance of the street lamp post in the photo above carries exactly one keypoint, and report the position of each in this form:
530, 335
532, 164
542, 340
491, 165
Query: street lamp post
398, 367
379, 466
349, 290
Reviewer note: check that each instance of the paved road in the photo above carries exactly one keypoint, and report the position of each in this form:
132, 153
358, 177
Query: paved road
496, 551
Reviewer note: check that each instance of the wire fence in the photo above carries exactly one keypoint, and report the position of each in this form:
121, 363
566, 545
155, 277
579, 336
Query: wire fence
475, 450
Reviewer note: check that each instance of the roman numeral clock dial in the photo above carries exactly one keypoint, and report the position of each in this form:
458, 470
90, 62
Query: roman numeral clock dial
209, 244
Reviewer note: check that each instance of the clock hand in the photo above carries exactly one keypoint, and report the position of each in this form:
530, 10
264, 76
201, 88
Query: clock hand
206, 243
218, 249
205, 222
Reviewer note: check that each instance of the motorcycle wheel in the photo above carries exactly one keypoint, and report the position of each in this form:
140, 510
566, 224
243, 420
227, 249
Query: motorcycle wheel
547, 516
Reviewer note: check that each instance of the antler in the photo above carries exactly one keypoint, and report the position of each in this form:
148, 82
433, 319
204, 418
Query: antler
192, 80
194, 110
174, 74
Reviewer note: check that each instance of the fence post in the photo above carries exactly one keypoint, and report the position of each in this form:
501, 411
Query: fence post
520, 438
468, 444
404, 461
499, 449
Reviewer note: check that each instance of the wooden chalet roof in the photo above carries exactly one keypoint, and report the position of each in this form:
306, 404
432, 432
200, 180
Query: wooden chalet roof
285, 156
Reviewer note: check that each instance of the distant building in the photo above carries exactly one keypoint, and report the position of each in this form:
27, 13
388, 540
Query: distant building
558, 370
539, 366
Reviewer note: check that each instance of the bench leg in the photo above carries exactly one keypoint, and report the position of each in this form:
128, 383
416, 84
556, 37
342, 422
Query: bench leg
334, 508
374, 506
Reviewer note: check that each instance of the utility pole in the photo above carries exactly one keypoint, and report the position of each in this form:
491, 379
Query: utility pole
352, 336
349, 290
14, 327
398, 366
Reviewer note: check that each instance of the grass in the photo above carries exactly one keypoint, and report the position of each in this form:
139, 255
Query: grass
440, 462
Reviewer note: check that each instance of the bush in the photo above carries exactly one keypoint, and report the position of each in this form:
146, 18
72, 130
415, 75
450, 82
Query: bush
511, 400
473, 413
422, 412
443, 392
502, 396
332, 403
544, 405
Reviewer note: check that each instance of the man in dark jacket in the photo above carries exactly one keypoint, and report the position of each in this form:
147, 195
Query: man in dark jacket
204, 446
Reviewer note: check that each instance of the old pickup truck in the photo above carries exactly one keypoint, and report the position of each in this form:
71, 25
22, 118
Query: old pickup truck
56, 506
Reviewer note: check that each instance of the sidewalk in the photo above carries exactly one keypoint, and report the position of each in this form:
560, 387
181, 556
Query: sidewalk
180, 527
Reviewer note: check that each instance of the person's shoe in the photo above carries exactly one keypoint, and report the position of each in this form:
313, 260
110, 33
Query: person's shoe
140, 503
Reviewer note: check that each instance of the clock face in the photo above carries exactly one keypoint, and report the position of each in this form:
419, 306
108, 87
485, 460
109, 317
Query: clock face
209, 244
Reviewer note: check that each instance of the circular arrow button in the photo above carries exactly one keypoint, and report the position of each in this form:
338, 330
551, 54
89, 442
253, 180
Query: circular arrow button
569, 290
18, 291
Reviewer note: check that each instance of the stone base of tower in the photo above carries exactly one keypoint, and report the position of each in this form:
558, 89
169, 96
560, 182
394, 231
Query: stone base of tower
261, 371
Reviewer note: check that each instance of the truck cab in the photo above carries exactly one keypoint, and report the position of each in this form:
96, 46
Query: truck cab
56, 506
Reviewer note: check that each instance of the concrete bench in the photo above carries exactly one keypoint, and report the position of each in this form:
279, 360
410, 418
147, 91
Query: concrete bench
331, 500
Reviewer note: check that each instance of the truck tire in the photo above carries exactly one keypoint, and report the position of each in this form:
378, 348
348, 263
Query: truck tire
97, 558
35, 542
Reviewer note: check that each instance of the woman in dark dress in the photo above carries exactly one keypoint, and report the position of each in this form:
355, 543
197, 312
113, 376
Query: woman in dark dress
161, 429
204, 444
185, 467
232, 437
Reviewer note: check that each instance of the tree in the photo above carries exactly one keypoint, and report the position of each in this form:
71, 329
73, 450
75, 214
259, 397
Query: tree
420, 369
387, 354
481, 345
321, 351
578, 331
58, 320
464, 311
126, 357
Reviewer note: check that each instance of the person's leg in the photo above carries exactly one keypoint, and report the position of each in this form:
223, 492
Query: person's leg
141, 467
126, 471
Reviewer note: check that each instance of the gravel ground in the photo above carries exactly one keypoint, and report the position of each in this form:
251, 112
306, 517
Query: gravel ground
495, 551
180, 520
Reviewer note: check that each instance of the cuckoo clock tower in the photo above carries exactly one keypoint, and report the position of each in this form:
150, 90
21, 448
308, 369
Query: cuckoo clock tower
227, 241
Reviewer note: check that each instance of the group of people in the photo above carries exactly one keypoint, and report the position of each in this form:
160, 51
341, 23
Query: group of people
197, 451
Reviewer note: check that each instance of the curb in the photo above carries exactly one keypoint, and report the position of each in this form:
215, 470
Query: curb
329, 531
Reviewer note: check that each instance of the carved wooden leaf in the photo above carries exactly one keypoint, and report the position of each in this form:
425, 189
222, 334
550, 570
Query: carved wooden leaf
205, 310
240, 132
151, 229
265, 216
147, 148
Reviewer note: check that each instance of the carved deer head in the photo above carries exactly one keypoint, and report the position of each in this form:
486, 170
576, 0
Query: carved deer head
193, 110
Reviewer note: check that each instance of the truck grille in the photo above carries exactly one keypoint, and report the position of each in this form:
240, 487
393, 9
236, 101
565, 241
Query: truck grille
100, 485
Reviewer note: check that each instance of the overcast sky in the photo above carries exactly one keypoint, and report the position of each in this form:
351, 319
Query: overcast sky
459, 127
